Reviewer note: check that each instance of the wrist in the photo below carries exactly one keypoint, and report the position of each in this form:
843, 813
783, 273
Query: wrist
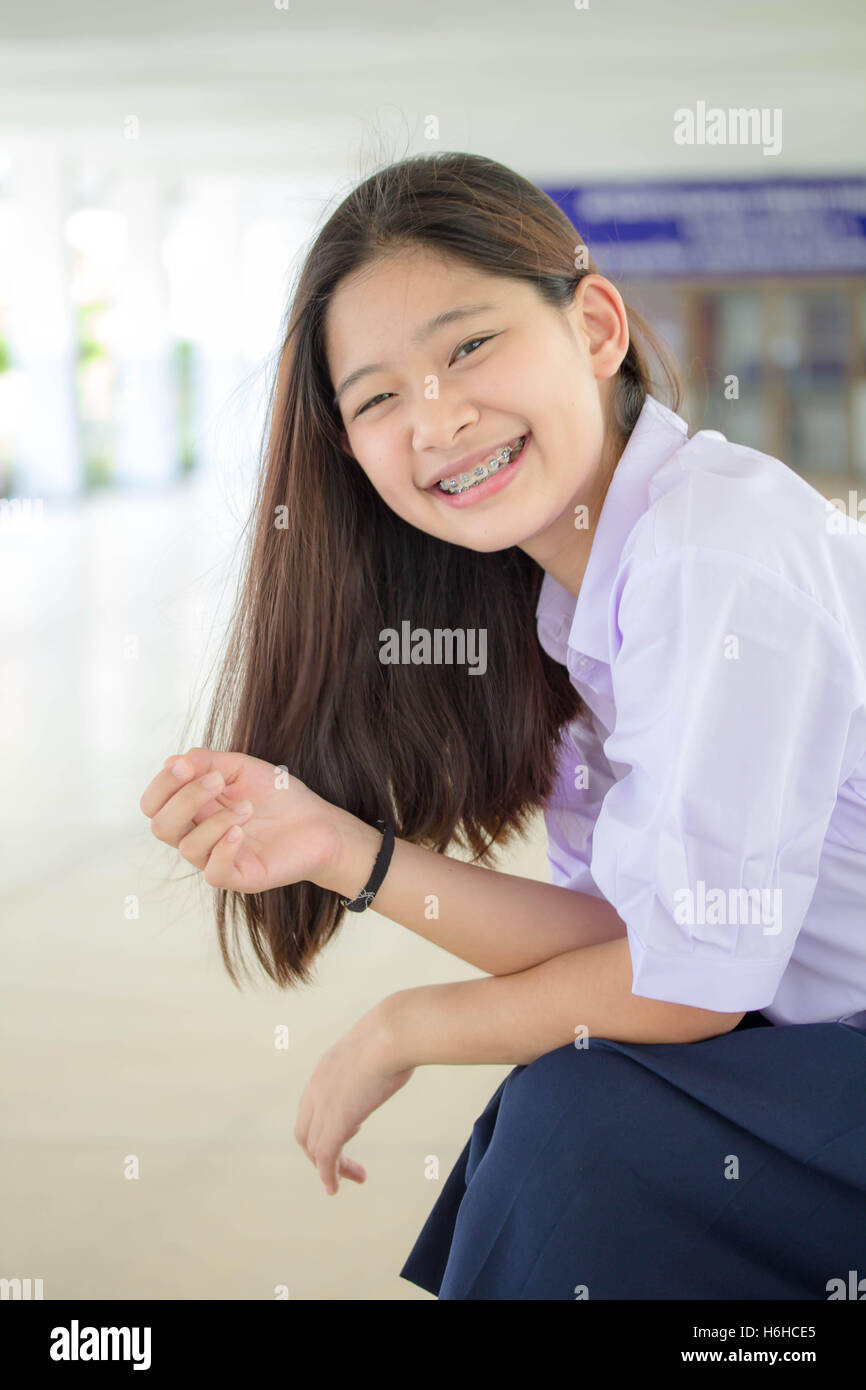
355, 847
391, 1016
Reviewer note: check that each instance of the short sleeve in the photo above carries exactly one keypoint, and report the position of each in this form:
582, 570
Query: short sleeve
734, 695
583, 778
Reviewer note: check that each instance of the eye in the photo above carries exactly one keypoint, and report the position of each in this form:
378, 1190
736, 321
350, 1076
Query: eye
475, 340
383, 394
380, 397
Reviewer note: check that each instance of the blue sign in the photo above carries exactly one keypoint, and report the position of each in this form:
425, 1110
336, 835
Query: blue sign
685, 230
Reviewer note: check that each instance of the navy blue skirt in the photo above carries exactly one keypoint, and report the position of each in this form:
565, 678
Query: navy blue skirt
733, 1168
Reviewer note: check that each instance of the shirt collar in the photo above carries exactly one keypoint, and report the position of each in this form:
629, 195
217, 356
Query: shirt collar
564, 621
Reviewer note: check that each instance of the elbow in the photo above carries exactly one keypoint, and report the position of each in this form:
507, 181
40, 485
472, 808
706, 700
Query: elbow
702, 1024
684, 1023
728, 1022
665, 1022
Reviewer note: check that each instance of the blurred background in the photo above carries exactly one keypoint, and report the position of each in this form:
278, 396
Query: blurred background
162, 170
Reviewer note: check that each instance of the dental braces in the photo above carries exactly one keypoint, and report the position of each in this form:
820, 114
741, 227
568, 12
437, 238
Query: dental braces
483, 470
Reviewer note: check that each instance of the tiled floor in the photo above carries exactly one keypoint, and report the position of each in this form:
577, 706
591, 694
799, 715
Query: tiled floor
121, 1034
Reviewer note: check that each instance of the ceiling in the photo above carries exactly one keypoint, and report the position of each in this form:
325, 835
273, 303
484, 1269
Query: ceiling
339, 85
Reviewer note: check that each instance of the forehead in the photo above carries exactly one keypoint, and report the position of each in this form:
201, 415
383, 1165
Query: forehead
378, 308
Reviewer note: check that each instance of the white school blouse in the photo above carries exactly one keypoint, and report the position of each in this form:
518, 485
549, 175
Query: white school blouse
716, 795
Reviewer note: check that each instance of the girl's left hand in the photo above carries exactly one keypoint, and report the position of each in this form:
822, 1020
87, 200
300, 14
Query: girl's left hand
351, 1080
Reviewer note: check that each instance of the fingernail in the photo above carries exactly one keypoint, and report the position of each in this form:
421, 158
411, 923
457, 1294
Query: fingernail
180, 768
212, 781
242, 808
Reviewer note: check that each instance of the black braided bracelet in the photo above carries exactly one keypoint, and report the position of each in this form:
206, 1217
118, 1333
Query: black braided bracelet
380, 868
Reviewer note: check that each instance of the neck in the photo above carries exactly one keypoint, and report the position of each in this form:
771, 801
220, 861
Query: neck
563, 549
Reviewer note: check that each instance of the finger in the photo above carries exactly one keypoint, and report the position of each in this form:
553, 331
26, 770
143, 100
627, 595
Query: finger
315, 1146
326, 1162
313, 1140
220, 870
178, 816
303, 1118
356, 1172
181, 768
199, 843
306, 1151
342, 1168
326, 1146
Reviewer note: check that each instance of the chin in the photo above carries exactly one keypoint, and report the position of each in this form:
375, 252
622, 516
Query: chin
495, 537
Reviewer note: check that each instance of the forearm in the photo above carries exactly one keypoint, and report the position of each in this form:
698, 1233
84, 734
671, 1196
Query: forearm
516, 1018
498, 922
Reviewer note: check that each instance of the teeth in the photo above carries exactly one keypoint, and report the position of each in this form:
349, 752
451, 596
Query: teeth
463, 481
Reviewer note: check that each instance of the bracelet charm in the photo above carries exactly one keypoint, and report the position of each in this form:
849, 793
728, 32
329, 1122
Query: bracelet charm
380, 868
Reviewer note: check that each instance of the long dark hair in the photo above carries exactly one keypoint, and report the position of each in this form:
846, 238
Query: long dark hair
446, 758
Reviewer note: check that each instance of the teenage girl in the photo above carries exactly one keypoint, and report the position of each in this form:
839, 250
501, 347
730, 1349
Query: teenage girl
463, 437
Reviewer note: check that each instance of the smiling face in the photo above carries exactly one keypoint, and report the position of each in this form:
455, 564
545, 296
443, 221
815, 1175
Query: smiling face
514, 368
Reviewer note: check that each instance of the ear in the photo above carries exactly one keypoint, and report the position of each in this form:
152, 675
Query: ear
601, 315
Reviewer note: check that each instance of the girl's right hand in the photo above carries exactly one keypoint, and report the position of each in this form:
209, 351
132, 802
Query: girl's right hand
287, 836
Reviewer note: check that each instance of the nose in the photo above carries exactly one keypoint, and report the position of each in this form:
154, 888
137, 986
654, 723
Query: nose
438, 424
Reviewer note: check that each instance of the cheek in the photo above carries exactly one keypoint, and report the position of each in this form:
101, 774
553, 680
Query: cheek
373, 462
390, 473
395, 487
542, 391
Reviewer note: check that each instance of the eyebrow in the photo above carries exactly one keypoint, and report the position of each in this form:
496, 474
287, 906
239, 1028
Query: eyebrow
462, 311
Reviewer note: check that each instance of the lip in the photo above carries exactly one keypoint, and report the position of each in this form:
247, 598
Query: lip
495, 483
471, 461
